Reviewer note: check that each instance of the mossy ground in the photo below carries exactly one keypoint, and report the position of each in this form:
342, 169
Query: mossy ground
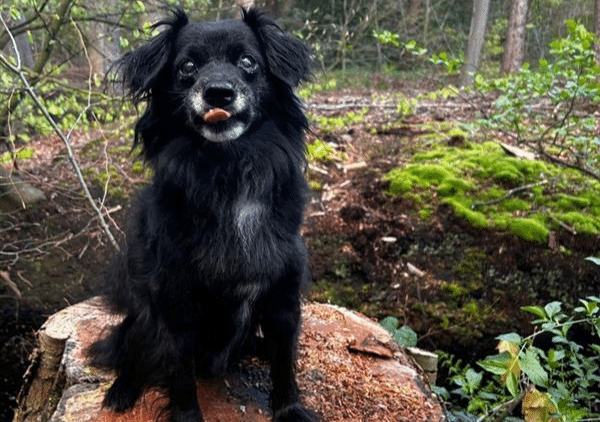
491, 189
435, 194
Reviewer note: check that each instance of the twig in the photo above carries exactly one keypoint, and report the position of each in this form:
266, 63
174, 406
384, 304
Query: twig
17, 69
508, 194
504, 409
565, 163
562, 224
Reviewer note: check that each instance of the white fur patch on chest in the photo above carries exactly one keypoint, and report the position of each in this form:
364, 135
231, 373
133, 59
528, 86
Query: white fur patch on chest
249, 216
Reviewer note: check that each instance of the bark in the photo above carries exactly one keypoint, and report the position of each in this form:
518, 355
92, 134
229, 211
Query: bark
103, 42
23, 48
514, 48
412, 18
475, 43
43, 375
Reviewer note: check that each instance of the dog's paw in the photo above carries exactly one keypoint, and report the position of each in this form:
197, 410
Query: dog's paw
295, 413
120, 396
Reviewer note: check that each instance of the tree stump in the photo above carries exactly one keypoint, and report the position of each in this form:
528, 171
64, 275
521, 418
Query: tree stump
349, 369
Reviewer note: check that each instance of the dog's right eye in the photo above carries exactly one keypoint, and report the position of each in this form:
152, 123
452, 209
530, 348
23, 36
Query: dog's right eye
188, 68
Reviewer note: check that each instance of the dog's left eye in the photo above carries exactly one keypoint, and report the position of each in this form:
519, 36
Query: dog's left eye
187, 68
248, 63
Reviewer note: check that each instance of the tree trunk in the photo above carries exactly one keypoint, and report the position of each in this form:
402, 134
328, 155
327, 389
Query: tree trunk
514, 48
475, 43
412, 18
597, 29
103, 45
23, 48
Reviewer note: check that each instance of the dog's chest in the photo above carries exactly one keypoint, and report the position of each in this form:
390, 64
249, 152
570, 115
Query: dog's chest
249, 221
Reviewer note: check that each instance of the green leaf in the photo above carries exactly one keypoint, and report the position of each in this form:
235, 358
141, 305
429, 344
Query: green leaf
555, 356
497, 364
473, 379
511, 338
15, 13
571, 26
512, 384
139, 6
593, 259
390, 323
552, 309
536, 310
405, 337
530, 365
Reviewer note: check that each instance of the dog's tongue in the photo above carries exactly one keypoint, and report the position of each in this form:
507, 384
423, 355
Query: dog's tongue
215, 115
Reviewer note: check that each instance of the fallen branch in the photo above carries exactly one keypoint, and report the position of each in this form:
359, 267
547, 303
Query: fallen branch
18, 70
565, 163
508, 194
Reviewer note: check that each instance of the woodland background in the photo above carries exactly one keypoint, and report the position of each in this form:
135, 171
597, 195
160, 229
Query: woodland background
454, 169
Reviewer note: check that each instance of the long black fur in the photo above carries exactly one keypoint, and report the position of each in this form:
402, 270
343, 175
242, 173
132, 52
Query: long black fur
213, 250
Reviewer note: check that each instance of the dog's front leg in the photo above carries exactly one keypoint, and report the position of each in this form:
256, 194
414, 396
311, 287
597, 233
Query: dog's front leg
182, 384
280, 326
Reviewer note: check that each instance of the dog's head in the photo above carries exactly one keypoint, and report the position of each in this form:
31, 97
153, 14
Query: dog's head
213, 79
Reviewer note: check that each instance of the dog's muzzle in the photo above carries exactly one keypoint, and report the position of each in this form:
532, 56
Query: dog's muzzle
221, 111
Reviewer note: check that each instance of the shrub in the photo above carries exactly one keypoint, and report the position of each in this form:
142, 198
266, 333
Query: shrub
559, 383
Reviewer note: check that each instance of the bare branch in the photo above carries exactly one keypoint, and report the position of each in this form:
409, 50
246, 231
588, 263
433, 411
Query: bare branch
17, 69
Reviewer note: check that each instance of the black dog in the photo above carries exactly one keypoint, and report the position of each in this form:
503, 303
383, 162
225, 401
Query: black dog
213, 252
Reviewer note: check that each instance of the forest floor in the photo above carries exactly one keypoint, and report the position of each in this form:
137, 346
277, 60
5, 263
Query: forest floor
456, 285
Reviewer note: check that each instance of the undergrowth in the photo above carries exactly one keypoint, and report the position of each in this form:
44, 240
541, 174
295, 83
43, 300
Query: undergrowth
552, 375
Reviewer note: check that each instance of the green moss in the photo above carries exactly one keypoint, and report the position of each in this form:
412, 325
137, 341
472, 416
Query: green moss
341, 293
582, 223
472, 309
400, 182
430, 173
529, 229
430, 155
501, 220
454, 289
505, 172
322, 151
463, 210
572, 203
315, 185
483, 172
512, 205
492, 193
425, 213
452, 186
137, 167
331, 124
470, 266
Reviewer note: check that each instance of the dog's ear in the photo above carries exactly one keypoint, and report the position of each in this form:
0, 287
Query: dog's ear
142, 67
288, 58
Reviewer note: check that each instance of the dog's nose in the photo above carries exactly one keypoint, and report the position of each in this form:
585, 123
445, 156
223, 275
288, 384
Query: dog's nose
219, 94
